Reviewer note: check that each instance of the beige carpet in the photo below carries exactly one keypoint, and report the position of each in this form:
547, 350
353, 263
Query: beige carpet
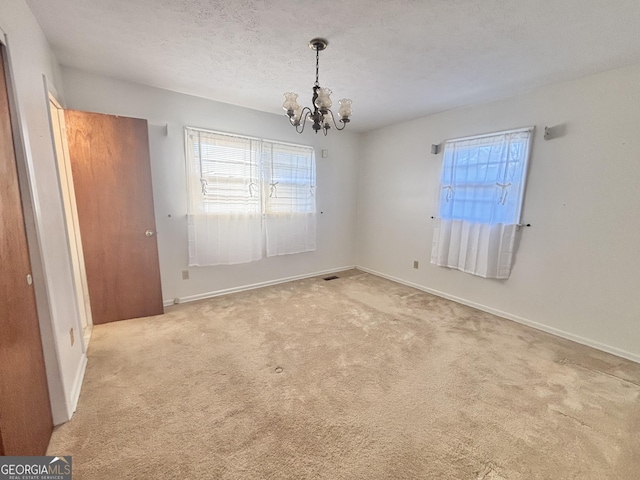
355, 378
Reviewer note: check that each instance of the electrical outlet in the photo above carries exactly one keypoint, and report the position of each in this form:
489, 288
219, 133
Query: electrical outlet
415, 264
73, 340
185, 274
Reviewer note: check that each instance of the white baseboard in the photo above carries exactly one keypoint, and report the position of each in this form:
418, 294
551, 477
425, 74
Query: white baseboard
530, 323
253, 286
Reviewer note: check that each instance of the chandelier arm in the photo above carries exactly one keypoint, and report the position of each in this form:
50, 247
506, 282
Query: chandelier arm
334, 121
302, 116
306, 111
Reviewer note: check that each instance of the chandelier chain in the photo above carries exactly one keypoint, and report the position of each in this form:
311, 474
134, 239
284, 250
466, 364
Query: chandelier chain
317, 84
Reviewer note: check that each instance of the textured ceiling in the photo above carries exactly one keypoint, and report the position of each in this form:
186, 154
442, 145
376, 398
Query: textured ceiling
397, 59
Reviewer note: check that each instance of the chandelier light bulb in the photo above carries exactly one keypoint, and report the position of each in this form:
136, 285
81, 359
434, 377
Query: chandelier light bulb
328, 117
323, 102
344, 112
290, 104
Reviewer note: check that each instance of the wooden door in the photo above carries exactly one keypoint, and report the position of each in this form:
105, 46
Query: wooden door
25, 411
112, 181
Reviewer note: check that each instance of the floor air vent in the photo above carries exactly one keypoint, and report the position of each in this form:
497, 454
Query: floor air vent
332, 277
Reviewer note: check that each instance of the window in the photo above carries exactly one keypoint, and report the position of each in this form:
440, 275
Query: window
227, 173
290, 202
483, 178
290, 174
248, 197
480, 199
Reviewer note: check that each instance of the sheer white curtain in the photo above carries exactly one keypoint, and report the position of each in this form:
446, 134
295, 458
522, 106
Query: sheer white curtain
290, 202
481, 193
224, 206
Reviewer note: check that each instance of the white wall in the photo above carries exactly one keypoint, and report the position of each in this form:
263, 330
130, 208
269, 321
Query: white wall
577, 270
31, 58
336, 178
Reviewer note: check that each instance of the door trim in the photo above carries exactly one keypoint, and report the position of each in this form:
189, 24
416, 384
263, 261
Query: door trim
74, 240
70, 398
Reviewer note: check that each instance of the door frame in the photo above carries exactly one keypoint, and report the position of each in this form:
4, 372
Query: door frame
74, 239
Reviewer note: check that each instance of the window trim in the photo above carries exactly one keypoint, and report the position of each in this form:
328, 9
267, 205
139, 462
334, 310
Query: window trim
530, 129
240, 135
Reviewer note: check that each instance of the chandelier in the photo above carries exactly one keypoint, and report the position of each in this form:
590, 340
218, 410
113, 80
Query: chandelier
321, 114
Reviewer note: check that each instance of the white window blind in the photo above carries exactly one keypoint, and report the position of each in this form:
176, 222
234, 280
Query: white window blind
228, 171
481, 193
245, 194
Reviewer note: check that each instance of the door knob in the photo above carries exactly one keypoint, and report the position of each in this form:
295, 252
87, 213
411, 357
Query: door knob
149, 233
